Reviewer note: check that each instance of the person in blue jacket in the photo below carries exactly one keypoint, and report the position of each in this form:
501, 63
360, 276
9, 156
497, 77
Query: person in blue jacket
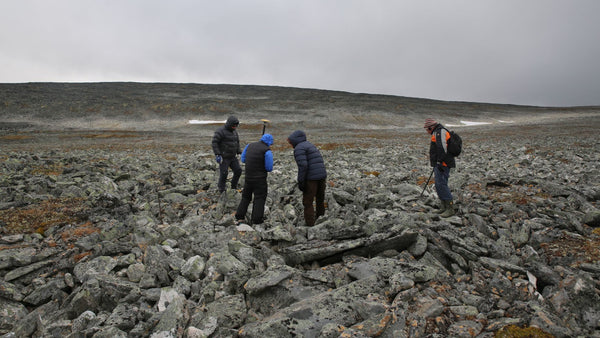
259, 162
311, 176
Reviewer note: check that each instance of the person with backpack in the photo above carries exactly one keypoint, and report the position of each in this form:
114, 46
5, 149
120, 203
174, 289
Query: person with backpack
259, 162
442, 161
226, 147
311, 176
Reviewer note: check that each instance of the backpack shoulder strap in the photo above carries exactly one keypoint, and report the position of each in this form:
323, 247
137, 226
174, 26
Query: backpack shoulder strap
442, 140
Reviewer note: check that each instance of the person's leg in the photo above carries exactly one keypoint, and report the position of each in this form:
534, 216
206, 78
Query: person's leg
441, 188
237, 172
320, 197
246, 198
223, 171
441, 184
308, 196
443, 191
260, 197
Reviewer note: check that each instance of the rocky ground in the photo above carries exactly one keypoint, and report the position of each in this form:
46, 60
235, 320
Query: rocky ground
117, 230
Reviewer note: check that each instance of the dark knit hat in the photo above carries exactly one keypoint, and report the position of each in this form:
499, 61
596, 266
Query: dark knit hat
429, 123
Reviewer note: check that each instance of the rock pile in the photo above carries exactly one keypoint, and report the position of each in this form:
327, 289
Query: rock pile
138, 244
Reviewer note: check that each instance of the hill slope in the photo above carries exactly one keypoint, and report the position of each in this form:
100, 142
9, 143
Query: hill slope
162, 106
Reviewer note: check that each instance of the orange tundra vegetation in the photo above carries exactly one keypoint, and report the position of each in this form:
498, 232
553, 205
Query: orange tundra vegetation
41, 216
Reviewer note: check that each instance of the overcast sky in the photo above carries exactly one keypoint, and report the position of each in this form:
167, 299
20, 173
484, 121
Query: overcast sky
535, 52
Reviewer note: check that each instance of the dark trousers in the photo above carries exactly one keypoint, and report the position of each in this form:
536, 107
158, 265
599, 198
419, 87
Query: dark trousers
441, 183
259, 189
227, 163
313, 190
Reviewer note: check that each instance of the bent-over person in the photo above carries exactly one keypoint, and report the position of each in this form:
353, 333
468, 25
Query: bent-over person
311, 176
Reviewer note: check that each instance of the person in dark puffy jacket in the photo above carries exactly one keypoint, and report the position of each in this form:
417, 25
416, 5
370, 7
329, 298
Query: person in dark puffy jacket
226, 146
311, 175
259, 162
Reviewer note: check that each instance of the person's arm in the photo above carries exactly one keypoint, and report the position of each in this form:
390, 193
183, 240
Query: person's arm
216, 143
302, 162
244, 154
432, 152
237, 138
268, 161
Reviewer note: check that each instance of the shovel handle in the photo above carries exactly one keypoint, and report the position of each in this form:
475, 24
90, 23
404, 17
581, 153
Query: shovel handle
264, 121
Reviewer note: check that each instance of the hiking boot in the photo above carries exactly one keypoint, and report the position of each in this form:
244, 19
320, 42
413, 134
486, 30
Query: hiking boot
449, 210
443, 207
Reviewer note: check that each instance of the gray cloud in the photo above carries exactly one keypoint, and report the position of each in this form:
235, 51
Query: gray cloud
538, 52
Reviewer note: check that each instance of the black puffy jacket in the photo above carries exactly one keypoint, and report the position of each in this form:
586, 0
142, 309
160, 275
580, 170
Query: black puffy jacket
225, 141
258, 158
308, 158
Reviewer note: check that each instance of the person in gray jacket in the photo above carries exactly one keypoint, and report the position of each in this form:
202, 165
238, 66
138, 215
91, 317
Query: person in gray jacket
226, 147
311, 176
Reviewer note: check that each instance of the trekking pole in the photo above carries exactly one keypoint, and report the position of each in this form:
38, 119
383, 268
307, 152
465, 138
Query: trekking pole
427, 182
264, 121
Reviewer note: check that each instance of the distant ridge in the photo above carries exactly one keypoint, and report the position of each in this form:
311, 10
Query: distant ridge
170, 105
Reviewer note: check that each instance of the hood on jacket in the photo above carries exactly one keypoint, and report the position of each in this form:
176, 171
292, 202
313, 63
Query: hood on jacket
267, 139
297, 137
232, 121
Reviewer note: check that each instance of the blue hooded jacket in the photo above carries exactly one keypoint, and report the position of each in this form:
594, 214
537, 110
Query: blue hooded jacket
308, 158
268, 140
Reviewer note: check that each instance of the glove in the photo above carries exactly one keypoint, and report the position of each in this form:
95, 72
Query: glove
440, 166
302, 185
219, 159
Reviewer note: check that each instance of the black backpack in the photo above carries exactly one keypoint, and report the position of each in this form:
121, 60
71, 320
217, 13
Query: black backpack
454, 143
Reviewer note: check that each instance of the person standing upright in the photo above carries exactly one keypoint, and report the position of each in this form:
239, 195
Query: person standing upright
442, 162
311, 176
226, 147
259, 162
